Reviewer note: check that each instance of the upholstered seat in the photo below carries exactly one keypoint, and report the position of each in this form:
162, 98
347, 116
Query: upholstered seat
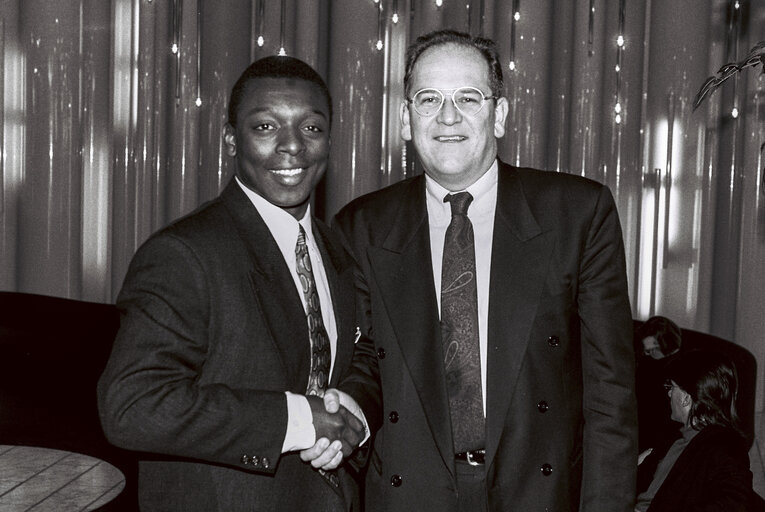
52, 352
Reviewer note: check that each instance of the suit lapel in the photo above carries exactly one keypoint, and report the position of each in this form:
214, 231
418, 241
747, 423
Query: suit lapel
519, 262
273, 289
340, 276
403, 272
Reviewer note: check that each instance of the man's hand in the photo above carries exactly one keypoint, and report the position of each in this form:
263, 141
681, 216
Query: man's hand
334, 422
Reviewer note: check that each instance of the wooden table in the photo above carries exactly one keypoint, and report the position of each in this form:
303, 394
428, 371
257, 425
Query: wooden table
42, 479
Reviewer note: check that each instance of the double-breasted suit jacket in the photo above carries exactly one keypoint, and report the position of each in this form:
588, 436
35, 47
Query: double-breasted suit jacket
561, 422
213, 332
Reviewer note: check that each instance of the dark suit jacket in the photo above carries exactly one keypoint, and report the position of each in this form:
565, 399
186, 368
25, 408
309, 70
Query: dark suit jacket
212, 334
561, 419
711, 475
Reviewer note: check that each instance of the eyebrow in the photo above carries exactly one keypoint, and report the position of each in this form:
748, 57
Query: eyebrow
259, 110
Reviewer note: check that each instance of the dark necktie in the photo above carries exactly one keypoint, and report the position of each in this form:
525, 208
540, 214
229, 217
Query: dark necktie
320, 350
459, 328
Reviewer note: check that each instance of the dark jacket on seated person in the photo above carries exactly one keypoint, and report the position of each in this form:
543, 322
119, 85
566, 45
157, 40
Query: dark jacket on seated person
711, 474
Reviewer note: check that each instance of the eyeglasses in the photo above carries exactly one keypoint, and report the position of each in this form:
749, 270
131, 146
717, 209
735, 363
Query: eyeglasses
468, 100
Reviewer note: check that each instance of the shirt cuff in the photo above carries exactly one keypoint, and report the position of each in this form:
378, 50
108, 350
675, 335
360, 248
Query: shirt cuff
300, 432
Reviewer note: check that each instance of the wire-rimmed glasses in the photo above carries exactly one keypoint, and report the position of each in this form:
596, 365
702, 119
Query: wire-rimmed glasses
468, 100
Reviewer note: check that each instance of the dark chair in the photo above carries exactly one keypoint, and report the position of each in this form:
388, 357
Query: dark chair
52, 352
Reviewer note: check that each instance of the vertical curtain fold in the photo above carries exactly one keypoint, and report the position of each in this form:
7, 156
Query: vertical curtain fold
50, 206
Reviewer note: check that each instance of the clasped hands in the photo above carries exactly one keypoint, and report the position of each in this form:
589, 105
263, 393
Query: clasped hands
338, 430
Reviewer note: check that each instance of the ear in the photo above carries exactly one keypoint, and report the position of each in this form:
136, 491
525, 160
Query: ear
686, 400
229, 139
500, 115
406, 129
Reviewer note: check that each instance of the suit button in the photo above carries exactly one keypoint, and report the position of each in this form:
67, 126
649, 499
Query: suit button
396, 480
255, 461
553, 341
546, 469
542, 406
393, 417
265, 462
245, 459
381, 353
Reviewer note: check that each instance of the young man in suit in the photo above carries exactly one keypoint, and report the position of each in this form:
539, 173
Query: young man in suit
236, 319
496, 298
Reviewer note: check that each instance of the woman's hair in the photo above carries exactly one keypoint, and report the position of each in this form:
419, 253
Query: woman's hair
668, 335
711, 380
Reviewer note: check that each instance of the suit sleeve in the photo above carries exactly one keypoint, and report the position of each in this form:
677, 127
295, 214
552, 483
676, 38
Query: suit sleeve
362, 381
152, 395
609, 406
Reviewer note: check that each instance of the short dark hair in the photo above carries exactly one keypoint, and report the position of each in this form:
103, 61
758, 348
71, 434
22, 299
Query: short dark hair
274, 66
486, 47
668, 335
711, 379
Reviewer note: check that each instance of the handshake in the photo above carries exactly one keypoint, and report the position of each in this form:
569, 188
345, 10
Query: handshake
339, 429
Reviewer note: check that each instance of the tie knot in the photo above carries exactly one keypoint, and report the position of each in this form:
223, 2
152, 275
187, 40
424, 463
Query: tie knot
459, 202
301, 239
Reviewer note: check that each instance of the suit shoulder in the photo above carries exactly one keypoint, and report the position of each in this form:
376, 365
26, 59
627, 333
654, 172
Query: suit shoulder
206, 226
551, 180
381, 202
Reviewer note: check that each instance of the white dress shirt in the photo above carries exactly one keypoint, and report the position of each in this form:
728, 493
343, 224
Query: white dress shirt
284, 228
481, 215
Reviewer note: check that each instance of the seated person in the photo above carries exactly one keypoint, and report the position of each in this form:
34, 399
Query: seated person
707, 468
657, 341
658, 338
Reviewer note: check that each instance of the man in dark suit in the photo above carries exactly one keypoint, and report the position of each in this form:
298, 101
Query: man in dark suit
496, 298
236, 319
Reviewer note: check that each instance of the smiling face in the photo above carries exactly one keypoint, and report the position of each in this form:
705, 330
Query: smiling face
455, 149
281, 140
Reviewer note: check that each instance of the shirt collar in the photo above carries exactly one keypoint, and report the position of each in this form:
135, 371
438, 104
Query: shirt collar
688, 432
283, 226
483, 190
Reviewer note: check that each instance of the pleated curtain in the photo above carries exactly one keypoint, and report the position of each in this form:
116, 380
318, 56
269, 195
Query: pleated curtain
112, 113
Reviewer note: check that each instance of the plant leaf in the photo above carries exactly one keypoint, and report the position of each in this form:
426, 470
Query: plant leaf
756, 56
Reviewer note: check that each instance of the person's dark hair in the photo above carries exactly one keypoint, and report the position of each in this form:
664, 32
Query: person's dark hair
486, 47
710, 378
668, 335
275, 66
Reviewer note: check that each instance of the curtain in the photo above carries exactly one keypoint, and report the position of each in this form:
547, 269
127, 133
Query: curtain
112, 113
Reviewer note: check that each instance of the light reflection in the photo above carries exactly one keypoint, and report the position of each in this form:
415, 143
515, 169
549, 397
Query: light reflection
655, 215
13, 120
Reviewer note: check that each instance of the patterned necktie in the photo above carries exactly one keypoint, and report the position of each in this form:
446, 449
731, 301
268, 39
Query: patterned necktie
320, 350
459, 328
